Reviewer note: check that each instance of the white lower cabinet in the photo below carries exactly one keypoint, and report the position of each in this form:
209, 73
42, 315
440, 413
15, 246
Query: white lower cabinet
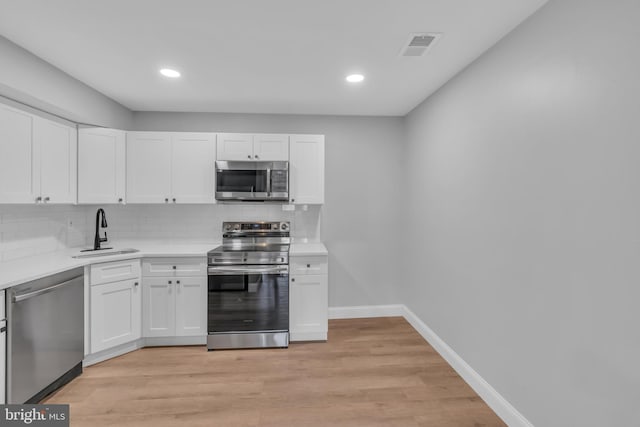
191, 306
175, 304
116, 304
159, 307
115, 314
308, 299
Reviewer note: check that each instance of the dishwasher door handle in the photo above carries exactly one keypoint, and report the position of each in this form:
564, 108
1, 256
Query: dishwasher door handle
22, 297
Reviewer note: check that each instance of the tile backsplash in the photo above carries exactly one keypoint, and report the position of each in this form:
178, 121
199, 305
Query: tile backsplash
27, 230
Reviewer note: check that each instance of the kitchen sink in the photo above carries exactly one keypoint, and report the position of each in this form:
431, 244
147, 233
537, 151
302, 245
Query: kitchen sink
109, 253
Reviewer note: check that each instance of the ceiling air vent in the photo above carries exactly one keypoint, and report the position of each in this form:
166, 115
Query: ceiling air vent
419, 43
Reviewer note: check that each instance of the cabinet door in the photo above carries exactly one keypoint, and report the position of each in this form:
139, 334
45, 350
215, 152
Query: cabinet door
191, 306
101, 165
306, 157
193, 168
271, 147
148, 167
115, 314
308, 309
158, 308
16, 152
56, 151
234, 146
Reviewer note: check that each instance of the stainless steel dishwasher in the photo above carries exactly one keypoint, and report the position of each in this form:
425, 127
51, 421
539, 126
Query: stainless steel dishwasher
45, 341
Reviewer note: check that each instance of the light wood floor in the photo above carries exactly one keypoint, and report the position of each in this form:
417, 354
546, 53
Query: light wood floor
371, 372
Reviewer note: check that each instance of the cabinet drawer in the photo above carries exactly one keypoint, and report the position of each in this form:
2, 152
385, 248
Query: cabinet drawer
114, 271
168, 267
308, 265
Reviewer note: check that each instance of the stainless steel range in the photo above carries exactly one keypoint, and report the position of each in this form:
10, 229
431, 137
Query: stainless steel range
248, 289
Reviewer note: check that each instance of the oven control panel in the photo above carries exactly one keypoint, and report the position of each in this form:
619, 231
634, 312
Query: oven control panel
256, 227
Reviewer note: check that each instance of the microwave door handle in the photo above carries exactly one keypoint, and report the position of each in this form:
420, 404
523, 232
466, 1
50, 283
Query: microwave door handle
268, 182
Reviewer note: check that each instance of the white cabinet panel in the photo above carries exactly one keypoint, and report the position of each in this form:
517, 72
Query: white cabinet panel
191, 306
309, 298
114, 271
250, 147
308, 307
38, 159
16, 152
175, 297
309, 265
193, 168
235, 146
115, 314
158, 307
148, 167
165, 167
101, 165
306, 157
171, 267
55, 148
271, 147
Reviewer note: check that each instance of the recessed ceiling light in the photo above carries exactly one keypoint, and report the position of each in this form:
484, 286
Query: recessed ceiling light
168, 72
355, 78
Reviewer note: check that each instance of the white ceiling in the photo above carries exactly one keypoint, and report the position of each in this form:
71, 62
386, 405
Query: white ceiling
260, 56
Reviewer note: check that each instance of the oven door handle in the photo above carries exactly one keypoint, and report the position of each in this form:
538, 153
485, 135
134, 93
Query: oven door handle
214, 271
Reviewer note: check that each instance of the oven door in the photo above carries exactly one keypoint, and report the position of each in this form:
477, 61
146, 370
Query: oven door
248, 299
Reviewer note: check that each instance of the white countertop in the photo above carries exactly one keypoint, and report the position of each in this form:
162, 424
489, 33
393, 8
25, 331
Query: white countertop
308, 249
31, 268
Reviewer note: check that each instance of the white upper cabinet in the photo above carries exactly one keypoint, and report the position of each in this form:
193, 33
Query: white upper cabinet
101, 165
148, 167
306, 169
250, 147
234, 146
165, 167
271, 147
16, 152
56, 148
193, 168
38, 159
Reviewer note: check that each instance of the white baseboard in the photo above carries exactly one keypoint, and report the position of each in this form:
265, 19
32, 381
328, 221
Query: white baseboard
360, 311
499, 404
170, 341
496, 402
110, 353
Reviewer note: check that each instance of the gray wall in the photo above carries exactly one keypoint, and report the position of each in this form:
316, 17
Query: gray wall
28, 79
362, 199
525, 214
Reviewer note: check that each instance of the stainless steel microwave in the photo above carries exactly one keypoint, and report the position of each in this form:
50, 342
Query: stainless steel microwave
252, 181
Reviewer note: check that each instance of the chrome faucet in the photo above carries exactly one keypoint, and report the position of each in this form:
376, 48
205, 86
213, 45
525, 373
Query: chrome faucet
98, 239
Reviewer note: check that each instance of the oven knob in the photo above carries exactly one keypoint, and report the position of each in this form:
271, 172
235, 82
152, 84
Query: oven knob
236, 227
227, 227
284, 226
